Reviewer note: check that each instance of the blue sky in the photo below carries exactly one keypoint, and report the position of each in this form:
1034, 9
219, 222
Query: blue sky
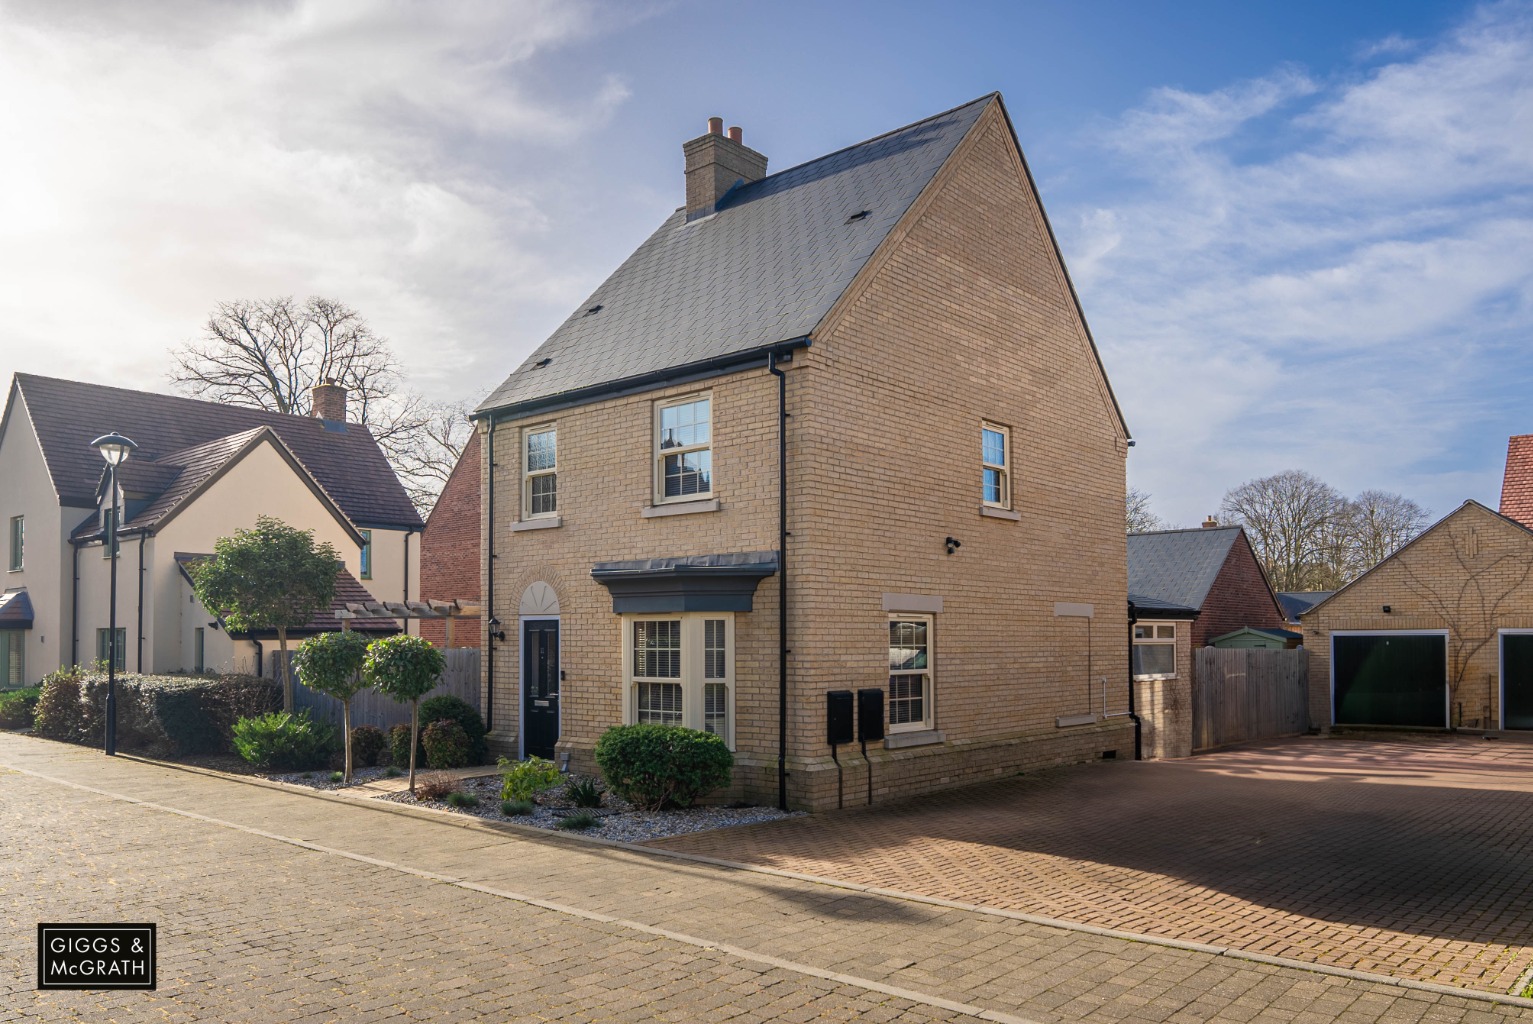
1302, 232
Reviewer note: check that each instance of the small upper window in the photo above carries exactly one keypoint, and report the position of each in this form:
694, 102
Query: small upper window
684, 449
1155, 650
996, 487
367, 554
18, 537
540, 478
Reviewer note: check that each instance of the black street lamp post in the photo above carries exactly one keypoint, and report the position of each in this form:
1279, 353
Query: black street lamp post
115, 449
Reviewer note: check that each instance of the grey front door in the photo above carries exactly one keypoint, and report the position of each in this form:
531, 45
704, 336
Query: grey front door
540, 686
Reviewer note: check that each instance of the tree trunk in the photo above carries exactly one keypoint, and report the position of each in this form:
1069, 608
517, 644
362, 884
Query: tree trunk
346, 725
287, 672
415, 723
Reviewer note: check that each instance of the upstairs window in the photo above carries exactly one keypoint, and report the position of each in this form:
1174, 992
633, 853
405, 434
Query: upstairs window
540, 478
684, 449
366, 566
1155, 650
995, 444
18, 537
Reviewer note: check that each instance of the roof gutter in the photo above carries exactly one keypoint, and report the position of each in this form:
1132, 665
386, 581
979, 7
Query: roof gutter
685, 374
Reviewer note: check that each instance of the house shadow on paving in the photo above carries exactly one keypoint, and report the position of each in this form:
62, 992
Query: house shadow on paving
1357, 839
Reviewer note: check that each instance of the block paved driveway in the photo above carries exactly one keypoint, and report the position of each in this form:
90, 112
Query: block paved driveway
1408, 857
277, 906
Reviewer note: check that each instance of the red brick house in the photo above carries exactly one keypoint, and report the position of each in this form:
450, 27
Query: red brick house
1517, 483
450, 567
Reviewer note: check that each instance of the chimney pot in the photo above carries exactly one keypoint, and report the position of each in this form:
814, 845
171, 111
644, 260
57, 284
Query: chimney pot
736, 135
1210, 523
716, 163
328, 401
715, 126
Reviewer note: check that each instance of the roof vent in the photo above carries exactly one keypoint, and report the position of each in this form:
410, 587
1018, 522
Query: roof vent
859, 215
543, 362
594, 309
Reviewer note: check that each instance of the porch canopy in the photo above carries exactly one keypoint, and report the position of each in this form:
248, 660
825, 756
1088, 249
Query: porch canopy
363, 611
15, 610
690, 583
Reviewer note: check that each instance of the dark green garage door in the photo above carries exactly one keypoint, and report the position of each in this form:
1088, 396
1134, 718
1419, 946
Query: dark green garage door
1517, 679
1390, 679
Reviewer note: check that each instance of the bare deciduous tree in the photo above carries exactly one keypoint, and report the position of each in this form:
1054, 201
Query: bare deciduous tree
269, 354
1383, 523
1137, 515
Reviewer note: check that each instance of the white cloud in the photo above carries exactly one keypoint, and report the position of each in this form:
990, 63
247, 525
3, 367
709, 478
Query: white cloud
161, 159
1334, 274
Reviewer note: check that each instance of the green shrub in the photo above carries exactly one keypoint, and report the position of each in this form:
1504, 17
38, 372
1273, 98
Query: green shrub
337, 776
60, 715
234, 697
577, 822
461, 799
523, 780
393, 771
283, 741
434, 709
517, 808
399, 746
584, 791
18, 707
367, 743
656, 766
447, 745
436, 786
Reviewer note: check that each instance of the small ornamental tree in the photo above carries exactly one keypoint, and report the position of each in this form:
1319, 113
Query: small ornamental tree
332, 664
406, 668
273, 577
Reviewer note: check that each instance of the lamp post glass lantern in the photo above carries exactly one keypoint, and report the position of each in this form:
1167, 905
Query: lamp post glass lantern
115, 449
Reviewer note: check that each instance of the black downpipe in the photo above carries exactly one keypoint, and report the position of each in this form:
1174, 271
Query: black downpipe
74, 611
1138, 734
139, 653
405, 597
782, 580
260, 658
488, 615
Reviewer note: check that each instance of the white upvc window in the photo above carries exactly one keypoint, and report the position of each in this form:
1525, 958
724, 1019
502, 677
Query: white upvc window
684, 449
1155, 650
540, 478
910, 673
18, 543
679, 669
995, 456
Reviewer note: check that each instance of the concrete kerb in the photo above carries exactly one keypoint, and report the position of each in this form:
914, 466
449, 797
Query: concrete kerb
473, 822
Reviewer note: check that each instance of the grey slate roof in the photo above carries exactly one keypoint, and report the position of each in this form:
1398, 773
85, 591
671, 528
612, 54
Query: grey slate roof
1176, 568
67, 415
1297, 602
763, 270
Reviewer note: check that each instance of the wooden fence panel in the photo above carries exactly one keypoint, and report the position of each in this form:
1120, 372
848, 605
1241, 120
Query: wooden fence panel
460, 679
1241, 694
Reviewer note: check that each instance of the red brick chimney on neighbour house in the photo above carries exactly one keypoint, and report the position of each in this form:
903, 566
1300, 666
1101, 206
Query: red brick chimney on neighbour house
717, 163
328, 401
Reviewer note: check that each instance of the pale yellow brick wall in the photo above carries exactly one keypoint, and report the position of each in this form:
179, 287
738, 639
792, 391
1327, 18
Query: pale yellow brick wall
964, 317
1471, 574
1165, 705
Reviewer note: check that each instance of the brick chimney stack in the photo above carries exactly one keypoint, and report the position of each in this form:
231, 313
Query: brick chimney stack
716, 163
1210, 523
328, 401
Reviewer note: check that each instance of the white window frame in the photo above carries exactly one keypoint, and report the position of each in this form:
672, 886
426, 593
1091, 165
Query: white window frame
694, 678
18, 532
365, 555
1003, 467
121, 651
529, 474
659, 454
929, 686
1156, 640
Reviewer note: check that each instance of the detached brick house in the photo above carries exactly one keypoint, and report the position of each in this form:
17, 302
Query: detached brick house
864, 384
450, 561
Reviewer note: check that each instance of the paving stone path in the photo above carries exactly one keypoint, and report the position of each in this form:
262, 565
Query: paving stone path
1407, 858
280, 906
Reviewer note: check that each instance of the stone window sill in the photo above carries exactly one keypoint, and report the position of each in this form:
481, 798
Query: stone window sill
1000, 513
681, 508
1065, 721
924, 738
537, 524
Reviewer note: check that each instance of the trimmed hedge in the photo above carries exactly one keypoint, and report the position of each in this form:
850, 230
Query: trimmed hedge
367, 743
17, 707
434, 709
658, 766
161, 715
447, 745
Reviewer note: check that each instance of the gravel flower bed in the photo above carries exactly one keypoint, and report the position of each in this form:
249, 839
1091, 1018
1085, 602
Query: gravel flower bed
614, 819
321, 779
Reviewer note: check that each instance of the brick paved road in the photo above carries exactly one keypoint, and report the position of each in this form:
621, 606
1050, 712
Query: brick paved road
276, 906
1409, 858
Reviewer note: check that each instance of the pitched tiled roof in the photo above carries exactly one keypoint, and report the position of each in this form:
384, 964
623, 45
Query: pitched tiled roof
343, 458
1517, 484
15, 610
765, 269
1297, 602
347, 589
1177, 567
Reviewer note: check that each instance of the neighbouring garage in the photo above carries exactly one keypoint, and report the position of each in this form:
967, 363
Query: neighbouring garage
1517, 680
1393, 678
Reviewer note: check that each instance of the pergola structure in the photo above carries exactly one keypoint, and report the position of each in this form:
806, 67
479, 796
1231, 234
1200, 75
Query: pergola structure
451, 611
